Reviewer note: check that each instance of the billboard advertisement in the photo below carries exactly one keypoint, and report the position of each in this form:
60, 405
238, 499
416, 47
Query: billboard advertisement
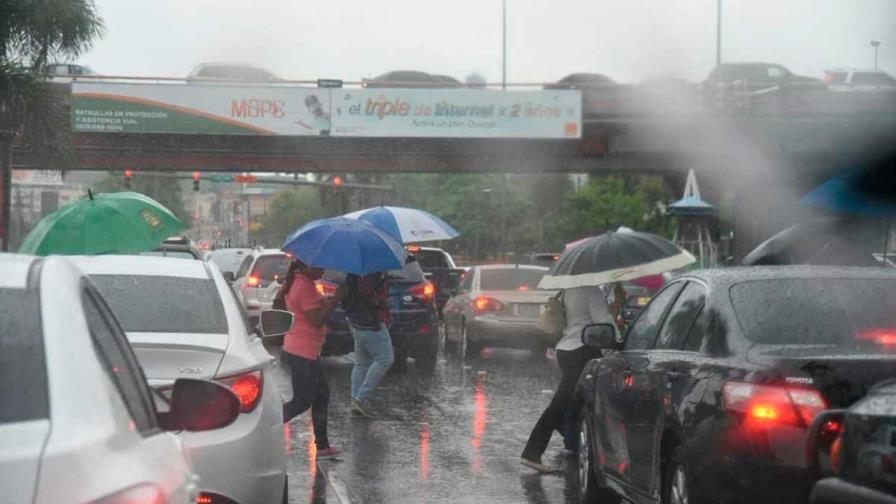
456, 113
296, 111
199, 109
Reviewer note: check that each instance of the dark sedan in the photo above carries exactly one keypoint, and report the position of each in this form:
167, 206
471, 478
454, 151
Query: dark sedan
859, 448
496, 305
718, 379
414, 327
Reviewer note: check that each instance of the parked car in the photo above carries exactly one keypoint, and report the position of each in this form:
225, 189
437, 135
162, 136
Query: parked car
414, 326
410, 79
439, 268
858, 80
176, 246
257, 280
858, 446
232, 72
78, 422
718, 379
183, 320
496, 305
228, 260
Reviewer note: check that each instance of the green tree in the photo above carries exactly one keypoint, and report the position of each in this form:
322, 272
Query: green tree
166, 190
31, 33
289, 210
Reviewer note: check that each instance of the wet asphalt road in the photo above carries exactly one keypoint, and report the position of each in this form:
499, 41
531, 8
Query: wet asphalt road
454, 437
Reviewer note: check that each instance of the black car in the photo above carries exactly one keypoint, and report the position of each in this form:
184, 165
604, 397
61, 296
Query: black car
414, 326
439, 268
763, 83
716, 382
857, 446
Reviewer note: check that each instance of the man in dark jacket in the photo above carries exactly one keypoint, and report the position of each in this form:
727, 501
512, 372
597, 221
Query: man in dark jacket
367, 308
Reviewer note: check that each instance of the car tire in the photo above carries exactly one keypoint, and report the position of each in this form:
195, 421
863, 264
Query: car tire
452, 348
399, 364
471, 349
590, 489
676, 479
285, 499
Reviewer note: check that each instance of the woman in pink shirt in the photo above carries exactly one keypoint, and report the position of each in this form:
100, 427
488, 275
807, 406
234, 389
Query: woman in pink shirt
301, 350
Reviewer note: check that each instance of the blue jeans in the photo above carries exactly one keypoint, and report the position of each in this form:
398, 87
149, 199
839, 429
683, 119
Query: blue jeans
373, 357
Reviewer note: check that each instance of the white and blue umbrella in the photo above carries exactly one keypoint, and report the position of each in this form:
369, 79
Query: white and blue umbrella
407, 225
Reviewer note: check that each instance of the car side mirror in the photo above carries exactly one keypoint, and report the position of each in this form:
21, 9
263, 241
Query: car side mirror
229, 276
824, 430
275, 322
200, 405
602, 336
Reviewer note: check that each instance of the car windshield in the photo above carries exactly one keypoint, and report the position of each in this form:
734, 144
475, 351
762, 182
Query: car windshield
22, 362
179, 254
818, 311
410, 273
227, 260
189, 305
494, 279
269, 268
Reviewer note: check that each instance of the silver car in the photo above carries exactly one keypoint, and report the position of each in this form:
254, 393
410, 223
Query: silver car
78, 422
258, 279
184, 321
496, 305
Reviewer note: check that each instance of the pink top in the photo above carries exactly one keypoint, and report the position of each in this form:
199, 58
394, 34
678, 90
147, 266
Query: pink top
304, 339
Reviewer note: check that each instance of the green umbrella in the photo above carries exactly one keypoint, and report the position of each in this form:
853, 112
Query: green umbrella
109, 223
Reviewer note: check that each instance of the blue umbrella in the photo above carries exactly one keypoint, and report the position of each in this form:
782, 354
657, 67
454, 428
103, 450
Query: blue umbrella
870, 193
349, 245
407, 225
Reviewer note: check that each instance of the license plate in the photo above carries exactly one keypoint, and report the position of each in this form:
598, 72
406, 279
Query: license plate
528, 310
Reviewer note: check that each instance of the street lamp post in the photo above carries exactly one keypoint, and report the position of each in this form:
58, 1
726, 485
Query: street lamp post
875, 44
503, 44
718, 32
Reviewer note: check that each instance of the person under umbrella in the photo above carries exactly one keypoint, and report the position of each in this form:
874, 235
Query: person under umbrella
608, 258
302, 347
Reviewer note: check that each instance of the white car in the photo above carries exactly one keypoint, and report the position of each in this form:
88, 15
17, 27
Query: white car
258, 279
78, 422
858, 80
184, 321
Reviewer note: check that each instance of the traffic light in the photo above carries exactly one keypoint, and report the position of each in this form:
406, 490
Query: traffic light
128, 177
337, 181
196, 177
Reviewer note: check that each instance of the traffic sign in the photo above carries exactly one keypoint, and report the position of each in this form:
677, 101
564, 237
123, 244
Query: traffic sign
220, 178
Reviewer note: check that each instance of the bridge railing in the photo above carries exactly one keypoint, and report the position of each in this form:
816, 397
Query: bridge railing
656, 98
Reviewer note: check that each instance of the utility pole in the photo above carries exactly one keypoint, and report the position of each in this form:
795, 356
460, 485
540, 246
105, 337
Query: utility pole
503, 44
718, 32
875, 44
5, 187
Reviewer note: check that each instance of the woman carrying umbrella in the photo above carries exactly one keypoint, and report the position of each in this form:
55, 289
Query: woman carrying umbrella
604, 259
302, 346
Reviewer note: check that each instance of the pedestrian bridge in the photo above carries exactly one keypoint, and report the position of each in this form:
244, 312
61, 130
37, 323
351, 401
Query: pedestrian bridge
618, 128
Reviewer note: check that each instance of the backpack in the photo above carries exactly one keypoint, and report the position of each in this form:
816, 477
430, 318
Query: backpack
552, 319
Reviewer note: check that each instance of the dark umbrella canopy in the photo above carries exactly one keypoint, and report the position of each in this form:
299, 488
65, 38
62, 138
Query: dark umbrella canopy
823, 242
615, 257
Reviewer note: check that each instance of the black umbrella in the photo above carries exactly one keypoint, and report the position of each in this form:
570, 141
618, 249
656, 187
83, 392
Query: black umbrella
615, 257
829, 241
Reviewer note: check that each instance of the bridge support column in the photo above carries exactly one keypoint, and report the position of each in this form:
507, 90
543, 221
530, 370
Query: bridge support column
5, 187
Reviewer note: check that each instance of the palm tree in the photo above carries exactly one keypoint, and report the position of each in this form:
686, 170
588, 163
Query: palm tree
30, 112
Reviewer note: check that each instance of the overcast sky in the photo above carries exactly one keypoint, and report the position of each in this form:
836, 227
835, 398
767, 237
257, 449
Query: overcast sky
627, 40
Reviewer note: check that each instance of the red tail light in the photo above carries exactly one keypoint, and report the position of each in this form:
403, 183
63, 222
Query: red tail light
768, 404
837, 455
144, 493
253, 281
248, 387
486, 304
425, 291
885, 337
325, 288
